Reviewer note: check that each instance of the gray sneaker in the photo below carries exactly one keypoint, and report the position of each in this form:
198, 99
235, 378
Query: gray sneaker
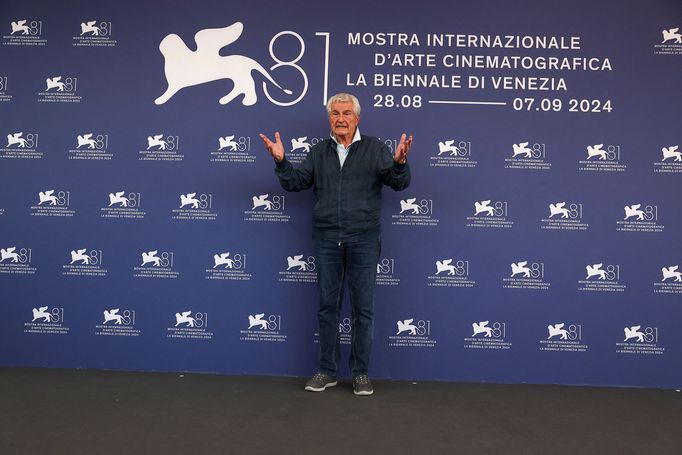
319, 382
361, 385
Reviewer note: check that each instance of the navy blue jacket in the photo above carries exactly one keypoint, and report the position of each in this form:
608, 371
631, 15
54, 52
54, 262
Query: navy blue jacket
347, 200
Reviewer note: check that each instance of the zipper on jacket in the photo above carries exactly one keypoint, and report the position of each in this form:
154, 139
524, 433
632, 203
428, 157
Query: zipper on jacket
338, 206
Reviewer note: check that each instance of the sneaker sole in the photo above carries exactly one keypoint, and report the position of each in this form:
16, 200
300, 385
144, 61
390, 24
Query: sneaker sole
363, 393
314, 389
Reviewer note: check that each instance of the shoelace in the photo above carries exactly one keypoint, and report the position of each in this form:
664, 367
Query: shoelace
320, 376
362, 379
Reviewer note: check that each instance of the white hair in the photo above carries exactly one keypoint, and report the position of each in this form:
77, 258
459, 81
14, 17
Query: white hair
344, 98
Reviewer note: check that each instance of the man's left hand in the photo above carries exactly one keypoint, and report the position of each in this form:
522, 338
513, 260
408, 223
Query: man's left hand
403, 149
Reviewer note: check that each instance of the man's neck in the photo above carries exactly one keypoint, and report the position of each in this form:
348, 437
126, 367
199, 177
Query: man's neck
345, 139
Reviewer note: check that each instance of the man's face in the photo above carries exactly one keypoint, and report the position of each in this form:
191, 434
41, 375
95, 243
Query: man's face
342, 119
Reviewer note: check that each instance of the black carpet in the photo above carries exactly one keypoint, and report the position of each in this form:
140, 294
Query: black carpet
47, 411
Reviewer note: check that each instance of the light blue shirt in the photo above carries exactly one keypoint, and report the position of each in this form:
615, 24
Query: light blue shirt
343, 151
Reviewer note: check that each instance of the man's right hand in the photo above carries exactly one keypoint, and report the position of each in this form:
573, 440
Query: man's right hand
275, 149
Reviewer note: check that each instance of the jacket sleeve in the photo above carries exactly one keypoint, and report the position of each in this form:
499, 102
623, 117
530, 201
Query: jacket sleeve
297, 179
392, 174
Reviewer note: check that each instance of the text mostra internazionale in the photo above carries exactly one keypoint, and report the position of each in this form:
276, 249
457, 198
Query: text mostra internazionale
465, 40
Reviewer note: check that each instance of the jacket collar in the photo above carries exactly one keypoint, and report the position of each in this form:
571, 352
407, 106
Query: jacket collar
356, 137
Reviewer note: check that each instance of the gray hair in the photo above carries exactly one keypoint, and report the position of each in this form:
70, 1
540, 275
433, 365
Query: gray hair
344, 98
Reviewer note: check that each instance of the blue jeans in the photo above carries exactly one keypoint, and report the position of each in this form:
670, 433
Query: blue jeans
358, 261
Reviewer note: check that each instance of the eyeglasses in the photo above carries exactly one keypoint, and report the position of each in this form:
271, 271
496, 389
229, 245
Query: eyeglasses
345, 114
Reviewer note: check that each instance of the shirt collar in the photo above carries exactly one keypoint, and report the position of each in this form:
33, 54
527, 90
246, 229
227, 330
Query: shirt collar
355, 138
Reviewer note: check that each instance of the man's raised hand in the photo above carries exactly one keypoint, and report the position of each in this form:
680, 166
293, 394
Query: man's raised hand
276, 149
402, 149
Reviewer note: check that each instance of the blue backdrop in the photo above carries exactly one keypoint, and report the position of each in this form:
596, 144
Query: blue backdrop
539, 241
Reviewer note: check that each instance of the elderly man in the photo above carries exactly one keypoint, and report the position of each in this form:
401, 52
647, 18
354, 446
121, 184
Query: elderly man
347, 172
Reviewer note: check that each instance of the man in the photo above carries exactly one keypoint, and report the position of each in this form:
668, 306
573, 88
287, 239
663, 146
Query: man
347, 172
